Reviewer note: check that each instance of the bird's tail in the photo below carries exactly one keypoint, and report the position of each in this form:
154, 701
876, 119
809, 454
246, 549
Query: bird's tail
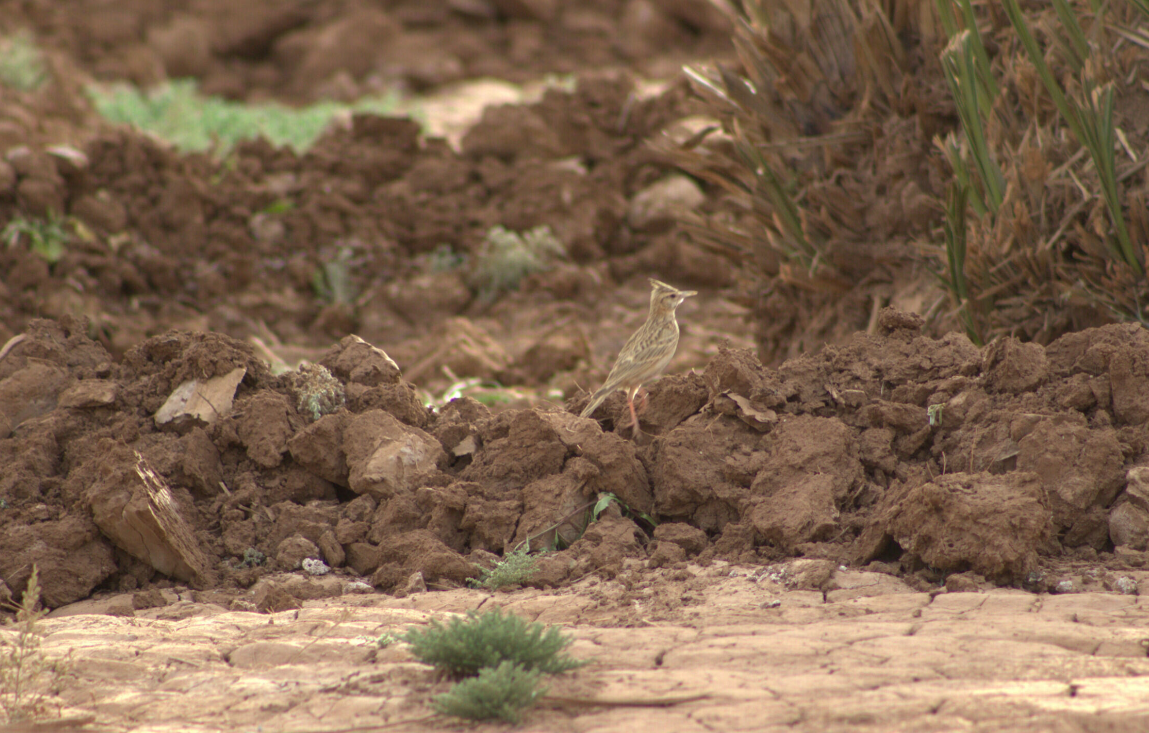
595, 400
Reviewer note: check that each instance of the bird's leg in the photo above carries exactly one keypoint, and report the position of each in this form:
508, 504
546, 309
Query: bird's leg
642, 395
633, 414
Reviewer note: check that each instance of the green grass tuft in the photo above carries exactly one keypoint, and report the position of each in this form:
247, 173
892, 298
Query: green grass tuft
462, 647
176, 112
21, 63
497, 693
46, 237
515, 569
506, 257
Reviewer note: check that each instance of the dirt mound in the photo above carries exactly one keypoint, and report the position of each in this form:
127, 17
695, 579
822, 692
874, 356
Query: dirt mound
896, 448
239, 246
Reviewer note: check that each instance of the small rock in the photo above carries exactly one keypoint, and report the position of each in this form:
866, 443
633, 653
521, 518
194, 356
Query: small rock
153, 598
689, 538
292, 551
385, 457
964, 583
1137, 484
1015, 367
666, 554
312, 566
90, 393
120, 607
662, 202
415, 584
1129, 526
356, 361
1125, 585
134, 506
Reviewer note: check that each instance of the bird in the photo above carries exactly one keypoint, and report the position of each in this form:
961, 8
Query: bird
646, 353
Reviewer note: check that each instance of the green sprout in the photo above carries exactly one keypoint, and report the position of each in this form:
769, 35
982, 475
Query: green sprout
46, 237
22, 63
514, 569
506, 257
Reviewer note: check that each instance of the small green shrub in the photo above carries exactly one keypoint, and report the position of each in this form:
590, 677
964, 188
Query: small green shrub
252, 558
177, 112
46, 237
21, 63
464, 646
506, 257
317, 392
331, 281
497, 693
515, 569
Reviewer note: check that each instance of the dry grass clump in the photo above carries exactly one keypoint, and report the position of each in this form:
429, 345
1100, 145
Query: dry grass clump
1067, 245
996, 144
28, 679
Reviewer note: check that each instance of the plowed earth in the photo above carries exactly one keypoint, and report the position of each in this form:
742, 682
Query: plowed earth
899, 532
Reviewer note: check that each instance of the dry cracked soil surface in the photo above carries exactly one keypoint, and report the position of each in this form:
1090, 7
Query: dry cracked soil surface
720, 647
899, 531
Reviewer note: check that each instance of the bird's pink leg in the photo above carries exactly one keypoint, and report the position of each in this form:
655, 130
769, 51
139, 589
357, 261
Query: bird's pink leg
641, 393
633, 414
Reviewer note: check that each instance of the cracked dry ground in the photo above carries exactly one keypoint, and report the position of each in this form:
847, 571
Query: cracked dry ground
742, 649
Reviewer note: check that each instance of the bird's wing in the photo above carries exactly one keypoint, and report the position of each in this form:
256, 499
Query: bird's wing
634, 352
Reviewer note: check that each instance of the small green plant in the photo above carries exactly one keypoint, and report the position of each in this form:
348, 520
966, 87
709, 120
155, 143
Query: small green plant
955, 246
973, 96
26, 676
21, 63
331, 281
279, 206
506, 257
515, 569
485, 391
317, 392
386, 640
497, 693
252, 558
46, 237
934, 413
192, 122
607, 498
462, 647
445, 259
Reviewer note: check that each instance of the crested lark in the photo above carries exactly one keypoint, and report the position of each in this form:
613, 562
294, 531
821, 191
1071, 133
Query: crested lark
647, 352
